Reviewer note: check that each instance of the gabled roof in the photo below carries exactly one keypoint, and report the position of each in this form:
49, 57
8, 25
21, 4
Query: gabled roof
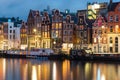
112, 6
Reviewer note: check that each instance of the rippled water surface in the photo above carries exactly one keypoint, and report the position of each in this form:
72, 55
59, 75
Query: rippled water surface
35, 69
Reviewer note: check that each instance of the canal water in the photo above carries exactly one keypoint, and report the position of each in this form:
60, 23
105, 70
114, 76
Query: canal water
36, 69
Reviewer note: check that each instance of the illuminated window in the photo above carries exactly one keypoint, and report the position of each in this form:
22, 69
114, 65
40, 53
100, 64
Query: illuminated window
116, 28
53, 26
60, 25
95, 40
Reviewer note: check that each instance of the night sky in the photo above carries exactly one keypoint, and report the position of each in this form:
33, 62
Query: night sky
9, 8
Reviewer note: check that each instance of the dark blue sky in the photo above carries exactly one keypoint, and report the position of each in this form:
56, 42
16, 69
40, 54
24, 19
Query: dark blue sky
9, 8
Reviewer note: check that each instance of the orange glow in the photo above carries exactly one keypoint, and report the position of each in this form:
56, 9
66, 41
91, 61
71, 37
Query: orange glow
54, 71
34, 73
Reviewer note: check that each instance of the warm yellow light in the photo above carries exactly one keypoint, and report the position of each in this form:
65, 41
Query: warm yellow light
95, 40
54, 71
34, 73
54, 42
117, 26
34, 30
103, 27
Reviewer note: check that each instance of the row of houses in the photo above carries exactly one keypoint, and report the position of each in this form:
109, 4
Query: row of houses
96, 28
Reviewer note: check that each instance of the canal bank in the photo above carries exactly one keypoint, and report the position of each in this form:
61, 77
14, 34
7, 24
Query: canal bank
60, 56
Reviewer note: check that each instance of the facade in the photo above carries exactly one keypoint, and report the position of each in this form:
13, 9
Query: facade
94, 9
23, 36
1, 37
13, 35
99, 35
68, 28
114, 27
34, 29
57, 30
82, 34
45, 31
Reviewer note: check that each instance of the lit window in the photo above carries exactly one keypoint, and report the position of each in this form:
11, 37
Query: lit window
95, 40
56, 25
116, 28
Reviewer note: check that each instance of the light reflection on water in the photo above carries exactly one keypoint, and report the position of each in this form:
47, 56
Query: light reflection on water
32, 69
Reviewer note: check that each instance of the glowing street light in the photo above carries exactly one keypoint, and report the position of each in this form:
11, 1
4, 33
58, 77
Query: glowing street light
34, 30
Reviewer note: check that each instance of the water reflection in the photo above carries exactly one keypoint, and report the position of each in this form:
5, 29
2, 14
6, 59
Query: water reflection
31, 69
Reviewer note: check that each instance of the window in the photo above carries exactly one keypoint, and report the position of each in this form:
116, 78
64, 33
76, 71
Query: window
116, 18
10, 26
64, 26
111, 41
85, 34
116, 44
81, 34
104, 49
67, 26
95, 31
13, 36
111, 18
70, 39
81, 21
95, 49
56, 25
111, 29
13, 31
111, 49
71, 26
95, 40
10, 36
10, 31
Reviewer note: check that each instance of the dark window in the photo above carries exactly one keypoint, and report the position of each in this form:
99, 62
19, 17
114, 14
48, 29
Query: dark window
13, 31
10, 31
116, 44
116, 18
111, 49
10, 26
111, 18
13, 36
111, 41
111, 29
